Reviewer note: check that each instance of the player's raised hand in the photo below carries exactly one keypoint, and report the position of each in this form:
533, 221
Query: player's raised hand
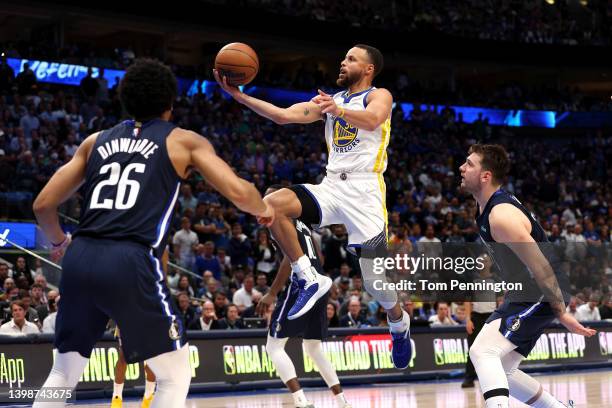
264, 304
326, 103
574, 326
230, 89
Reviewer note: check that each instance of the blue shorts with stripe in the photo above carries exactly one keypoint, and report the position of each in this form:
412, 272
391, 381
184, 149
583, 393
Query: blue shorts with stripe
523, 323
311, 326
123, 281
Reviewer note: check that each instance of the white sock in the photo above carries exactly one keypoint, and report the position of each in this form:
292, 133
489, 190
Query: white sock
149, 388
118, 390
401, 325
302, 268
497, 402
340, 400
299, 398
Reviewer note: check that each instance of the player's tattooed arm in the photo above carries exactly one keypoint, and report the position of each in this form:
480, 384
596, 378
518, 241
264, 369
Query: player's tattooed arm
508, 226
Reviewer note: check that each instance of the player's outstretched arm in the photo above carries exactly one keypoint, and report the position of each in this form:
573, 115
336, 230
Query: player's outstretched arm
64, 183
380, 103
303, 112
243, 194
506, 227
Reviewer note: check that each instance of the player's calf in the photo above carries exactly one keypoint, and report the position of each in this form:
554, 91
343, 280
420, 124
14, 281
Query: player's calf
399, 321
173, 374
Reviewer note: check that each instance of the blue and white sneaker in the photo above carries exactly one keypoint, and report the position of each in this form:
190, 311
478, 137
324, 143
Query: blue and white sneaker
401, 352
309, 294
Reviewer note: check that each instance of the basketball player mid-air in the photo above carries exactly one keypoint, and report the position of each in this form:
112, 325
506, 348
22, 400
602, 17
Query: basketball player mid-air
357, 131
312, 326
517, 244
131, 175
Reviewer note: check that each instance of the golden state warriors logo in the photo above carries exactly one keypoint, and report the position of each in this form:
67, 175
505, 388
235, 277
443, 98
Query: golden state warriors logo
345, 136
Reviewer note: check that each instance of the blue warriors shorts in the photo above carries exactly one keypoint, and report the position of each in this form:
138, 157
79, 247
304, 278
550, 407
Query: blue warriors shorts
523, 323
311, 326
123, 281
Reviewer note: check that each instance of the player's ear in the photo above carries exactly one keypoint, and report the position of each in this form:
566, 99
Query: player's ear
486, 175
370, 69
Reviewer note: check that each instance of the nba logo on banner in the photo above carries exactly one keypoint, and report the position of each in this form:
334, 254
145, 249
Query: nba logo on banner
229, 360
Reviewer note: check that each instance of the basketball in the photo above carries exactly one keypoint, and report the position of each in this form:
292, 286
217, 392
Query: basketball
238, 63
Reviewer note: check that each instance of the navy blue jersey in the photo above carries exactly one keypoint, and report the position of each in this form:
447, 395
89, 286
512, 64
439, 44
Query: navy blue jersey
508, 263
131, 186
503, 197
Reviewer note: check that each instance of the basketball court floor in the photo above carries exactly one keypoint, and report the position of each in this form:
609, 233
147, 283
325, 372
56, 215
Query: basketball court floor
592, 389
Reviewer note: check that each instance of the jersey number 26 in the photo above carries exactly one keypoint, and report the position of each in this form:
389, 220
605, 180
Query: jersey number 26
122, 181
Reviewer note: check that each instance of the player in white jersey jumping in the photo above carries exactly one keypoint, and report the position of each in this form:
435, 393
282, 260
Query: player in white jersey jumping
357, 132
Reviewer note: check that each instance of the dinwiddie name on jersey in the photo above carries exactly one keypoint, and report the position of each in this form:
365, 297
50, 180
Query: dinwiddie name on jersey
127, 145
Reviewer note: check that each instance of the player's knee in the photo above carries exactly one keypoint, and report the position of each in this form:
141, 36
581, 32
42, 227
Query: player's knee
482, 351
312, 347
173, 367
285, 203
375, 247
275, 346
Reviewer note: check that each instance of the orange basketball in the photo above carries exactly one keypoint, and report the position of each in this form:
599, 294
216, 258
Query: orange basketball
238, 63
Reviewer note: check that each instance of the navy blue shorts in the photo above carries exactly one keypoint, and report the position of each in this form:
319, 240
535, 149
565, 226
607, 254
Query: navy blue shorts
311, 326
523, 323
123, 281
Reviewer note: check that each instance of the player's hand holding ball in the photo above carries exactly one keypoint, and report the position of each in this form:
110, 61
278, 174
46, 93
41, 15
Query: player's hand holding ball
235, 64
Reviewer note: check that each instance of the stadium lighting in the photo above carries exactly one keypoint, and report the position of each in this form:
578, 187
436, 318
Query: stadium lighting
551, 2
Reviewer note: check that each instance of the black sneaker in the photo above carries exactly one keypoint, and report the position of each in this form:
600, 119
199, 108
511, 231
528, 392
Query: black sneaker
467, 383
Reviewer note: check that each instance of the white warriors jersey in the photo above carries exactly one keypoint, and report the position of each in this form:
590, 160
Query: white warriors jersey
351, 149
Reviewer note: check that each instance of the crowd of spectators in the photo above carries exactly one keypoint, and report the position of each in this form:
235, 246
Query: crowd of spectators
566, 22
230, 260
435, 89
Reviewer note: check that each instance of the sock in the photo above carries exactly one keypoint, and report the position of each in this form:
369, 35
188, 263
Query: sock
497, 402
340, 400
299, 398
401, 325
302, 268
149, 388
118, 390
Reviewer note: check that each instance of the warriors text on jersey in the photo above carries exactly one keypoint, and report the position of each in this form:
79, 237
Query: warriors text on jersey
352, 149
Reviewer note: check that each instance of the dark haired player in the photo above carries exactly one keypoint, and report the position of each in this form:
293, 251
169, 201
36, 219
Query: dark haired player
513, 329
357, 132
130, 176
312, 326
